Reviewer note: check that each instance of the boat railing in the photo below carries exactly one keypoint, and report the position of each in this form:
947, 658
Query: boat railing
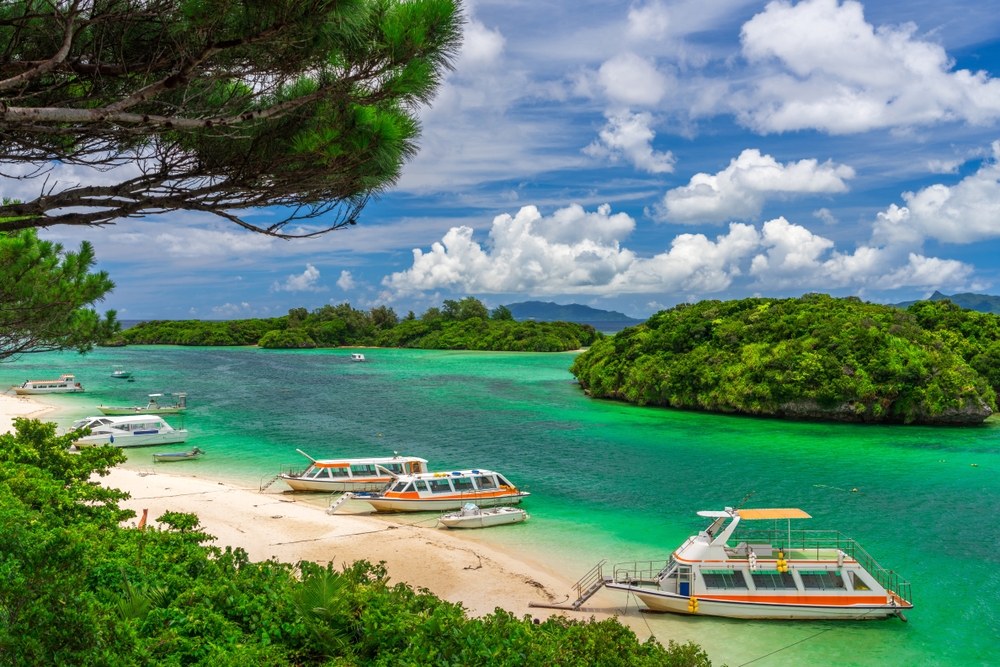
638, 572
810, 543
473, 496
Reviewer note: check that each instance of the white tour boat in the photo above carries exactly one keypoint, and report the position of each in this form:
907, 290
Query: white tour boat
66, 384
335, 475
444, 491
178, 405
134, 431
769, 574
471, 516
357, 356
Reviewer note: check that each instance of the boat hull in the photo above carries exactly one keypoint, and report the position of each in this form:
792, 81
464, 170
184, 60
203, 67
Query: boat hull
124, 412
170, 458
336, 486
678, 604
139, 440
29, 392
485, 520
437, 504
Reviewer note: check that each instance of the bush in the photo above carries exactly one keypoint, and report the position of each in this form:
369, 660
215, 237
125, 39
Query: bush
288, 339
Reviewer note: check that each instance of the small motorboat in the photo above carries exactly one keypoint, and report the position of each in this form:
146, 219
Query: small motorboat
356, 356
119, 373
178, 456
470, 516
66, 384
177, 406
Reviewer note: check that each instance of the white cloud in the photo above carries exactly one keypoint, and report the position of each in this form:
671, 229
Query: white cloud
962, 213
739, 191
577, 252
629, 79
227, 310
628, 135
346, 281
944, 166
826, 216
304, 282
647, 22
481, 47
199, 242
826, 68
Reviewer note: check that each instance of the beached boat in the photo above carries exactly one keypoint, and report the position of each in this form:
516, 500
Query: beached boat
335, 475
177, 406
775, 573
444, 491
178, 456
118, 372
66, 384
132, 431
356, 356
472, 516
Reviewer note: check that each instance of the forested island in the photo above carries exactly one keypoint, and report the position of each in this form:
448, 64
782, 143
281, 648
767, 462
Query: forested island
464, 324
814, 357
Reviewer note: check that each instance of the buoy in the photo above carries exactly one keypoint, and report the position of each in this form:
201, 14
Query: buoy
975, 465
380, 435
854, 490
692, 605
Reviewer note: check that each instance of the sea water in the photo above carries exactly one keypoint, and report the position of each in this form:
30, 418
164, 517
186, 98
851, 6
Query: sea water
608, 480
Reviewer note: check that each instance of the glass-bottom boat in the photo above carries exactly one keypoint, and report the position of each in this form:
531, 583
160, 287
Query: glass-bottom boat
437, 491
339, 475
770, 574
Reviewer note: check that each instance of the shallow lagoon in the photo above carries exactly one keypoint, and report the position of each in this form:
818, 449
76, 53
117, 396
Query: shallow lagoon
609, 480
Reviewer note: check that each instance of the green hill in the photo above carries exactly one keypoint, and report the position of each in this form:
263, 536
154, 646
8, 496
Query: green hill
548, 311
815, 357
984, 303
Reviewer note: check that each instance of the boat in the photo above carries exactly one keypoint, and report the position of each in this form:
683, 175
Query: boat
471, 516
444, 491
178, 456
132, 431
66, 384
177, 406
119, 373
356, 356
338, 475
774, 573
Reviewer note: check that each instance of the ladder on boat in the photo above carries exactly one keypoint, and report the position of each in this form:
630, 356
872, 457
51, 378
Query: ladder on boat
336, 504
585, 589
264, 487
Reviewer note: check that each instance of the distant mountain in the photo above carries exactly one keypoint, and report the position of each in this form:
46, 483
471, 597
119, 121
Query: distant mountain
547, 311
984, 303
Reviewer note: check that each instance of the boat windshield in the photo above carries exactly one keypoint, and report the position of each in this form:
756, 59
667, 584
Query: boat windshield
503, 481
439, 485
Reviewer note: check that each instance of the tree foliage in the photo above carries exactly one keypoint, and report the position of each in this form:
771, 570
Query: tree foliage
77, 587
216, 106
814, 356
46, 294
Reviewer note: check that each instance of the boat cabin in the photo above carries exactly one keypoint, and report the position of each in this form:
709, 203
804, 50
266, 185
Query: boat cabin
367, 474
137, 425
445, 491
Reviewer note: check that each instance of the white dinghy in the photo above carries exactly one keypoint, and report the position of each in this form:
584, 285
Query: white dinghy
471, 516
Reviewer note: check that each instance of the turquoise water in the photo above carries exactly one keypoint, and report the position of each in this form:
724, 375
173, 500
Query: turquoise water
609, 480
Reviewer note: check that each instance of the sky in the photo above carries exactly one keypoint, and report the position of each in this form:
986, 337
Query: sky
632, 156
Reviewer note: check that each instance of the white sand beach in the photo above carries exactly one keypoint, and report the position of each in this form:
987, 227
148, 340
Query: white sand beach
12, 406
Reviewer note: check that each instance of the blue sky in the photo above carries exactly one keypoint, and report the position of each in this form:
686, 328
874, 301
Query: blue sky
635, 155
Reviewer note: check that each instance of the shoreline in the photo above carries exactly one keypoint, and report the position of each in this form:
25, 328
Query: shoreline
12, 405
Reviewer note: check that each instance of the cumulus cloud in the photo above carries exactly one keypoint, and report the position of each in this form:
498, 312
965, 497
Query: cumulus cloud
481, 47
740, 190
826, 68
228, 310
346, 281
628, 136
303, 282
578, 252
647, 22
632, 80
966, 212
826, 216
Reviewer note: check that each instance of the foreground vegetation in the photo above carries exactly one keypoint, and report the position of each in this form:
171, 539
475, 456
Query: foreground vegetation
77, 588
459, 325
813, 357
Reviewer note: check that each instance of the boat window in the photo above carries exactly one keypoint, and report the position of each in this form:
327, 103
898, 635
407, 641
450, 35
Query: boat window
62, 385
312, 472
324, 473
503, 481
364, 470
394, 467
485, 483
462, 484
338, 472
773, 580
858, 583
421, 486
439, 485
723, 579
821, 580
399, 487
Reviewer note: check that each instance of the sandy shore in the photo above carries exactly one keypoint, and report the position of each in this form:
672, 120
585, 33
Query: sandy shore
12, 406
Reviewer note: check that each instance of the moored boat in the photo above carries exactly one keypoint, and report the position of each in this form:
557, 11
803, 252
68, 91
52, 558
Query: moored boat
132, 431
178, 456
472, 516
66, 384
769, 574
118, 372
444, 491
337, 475
357, 356
178, 405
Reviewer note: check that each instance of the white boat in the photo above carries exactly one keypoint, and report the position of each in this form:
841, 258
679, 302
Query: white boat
178, 405
444, 491
770, 574
118, 372
336, 475
471, 516
66, 384
133, 431
178, 456
356, 356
